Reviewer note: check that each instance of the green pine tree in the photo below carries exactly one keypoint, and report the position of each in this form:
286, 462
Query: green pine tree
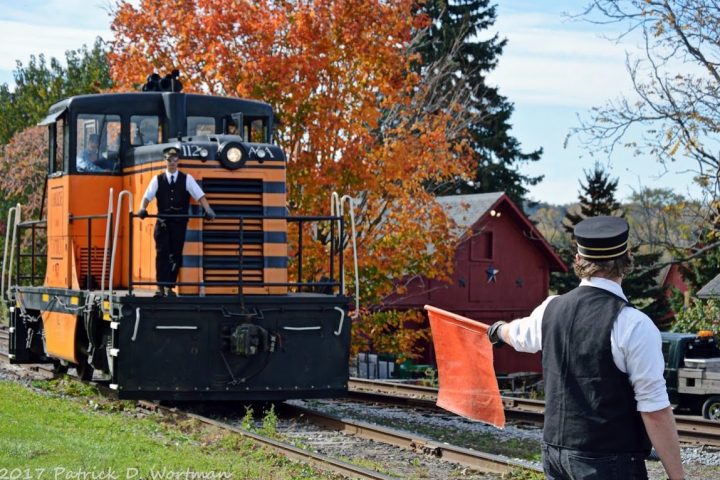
597, 197
455, 35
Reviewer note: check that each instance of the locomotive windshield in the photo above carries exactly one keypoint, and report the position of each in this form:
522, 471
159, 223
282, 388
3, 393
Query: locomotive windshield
97, 143
145, 130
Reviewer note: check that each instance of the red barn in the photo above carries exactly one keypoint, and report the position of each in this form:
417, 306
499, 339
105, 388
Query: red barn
502, 270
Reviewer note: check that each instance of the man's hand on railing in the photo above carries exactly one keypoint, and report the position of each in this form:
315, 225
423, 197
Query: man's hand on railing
210, 213
142, 213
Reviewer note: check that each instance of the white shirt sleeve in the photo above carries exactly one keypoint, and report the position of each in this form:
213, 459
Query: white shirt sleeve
193, 188
639, 344
151, 190
526, 333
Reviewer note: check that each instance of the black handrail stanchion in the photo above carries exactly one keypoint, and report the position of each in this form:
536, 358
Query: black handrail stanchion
32, 256
130, 252
300, 256
19, 263
341, 253
88, 274
332, 251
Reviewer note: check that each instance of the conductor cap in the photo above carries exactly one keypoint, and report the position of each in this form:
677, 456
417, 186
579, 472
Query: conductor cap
170, 152
602, 238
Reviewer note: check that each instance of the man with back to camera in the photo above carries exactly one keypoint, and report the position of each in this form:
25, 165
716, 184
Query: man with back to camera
605, 394
173, 190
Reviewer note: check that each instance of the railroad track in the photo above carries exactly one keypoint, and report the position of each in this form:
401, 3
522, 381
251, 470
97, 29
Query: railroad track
479, 461
469, 458
321, 462
693, 430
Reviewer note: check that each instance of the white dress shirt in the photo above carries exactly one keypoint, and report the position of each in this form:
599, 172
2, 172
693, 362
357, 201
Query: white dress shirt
190, 185
634, 341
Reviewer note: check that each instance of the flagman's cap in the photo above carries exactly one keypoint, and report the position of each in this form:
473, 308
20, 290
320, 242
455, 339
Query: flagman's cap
170, 152
602, 238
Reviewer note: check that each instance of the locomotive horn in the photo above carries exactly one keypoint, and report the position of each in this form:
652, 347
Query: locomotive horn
169, 83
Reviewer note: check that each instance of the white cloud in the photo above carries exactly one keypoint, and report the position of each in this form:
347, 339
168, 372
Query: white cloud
20, 40
558, 63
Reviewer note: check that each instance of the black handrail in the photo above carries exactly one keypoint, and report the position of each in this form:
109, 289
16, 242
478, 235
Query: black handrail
241, 283
331, 282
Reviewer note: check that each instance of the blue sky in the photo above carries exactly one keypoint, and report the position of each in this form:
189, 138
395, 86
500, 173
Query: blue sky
553, 70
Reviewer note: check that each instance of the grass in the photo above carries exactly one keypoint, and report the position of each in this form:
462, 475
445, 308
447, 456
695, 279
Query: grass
84, 435
4, 314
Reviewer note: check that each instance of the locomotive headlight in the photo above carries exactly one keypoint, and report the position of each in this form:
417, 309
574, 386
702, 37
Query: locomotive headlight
233, 155
204, 152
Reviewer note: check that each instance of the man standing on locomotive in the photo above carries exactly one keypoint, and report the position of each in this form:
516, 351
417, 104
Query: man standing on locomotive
605, 394
173, 190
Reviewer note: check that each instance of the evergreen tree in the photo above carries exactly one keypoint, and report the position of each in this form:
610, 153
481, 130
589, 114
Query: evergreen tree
597, 197
455, 36
40, 83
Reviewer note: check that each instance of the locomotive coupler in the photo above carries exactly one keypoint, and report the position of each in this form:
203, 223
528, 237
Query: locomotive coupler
248, 339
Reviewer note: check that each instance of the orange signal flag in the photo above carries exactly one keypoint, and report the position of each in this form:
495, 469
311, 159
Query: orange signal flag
464, 354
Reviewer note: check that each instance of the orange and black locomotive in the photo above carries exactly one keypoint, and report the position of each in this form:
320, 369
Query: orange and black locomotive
247, 322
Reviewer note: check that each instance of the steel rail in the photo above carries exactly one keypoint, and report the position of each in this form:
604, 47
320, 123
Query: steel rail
690, 429
485, 462
320, 461
427, 396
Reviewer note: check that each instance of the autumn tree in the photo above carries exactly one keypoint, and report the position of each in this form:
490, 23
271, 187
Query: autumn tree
26, 153
23, 158
673, 114
675, 83
43, 82
452, 45
351, 111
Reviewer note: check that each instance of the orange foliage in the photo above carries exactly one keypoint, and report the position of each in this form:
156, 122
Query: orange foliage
337, 74
23, 168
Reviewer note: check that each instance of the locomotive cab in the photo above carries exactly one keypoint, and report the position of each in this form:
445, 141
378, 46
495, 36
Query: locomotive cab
249, 323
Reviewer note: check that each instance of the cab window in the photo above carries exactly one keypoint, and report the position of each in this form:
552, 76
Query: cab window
255, 130
97, 143
200, 126
145, 130
58, 146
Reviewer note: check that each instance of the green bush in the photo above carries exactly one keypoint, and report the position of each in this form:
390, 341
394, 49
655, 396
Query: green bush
700, 315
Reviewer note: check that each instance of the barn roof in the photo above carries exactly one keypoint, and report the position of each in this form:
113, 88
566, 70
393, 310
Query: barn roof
467, 210
711, 289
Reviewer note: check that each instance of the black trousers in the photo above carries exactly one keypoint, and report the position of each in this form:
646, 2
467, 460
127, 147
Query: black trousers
169, 241
564, 464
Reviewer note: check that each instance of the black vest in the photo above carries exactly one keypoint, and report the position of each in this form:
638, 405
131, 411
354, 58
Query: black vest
173, 199
589, 403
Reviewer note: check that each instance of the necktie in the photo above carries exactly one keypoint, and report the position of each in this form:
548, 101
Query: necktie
172, 180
